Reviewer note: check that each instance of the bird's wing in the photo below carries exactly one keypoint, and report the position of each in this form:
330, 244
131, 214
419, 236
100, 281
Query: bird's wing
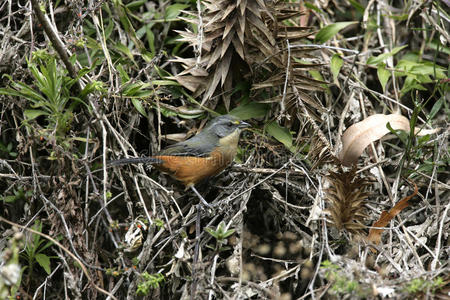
199, 146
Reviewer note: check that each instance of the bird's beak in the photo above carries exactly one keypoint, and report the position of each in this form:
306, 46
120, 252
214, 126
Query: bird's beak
243, 124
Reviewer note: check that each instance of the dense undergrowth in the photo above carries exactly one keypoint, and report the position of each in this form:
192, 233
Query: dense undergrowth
84, 82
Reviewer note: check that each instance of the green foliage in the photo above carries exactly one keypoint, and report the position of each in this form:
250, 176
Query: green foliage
282, 134
19, 194
250, 110
49, 95
423, 285
341, 283
220, 234
336, 65
34, 251
7, 150
329, 31
416, 71
159, 223
383, 75
148, 282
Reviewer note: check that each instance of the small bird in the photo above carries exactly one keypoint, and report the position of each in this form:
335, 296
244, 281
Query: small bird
202, 156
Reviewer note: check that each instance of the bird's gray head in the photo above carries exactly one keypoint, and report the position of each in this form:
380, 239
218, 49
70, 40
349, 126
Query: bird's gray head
225, 125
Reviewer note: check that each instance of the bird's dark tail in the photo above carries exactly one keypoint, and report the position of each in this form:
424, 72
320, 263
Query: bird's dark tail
134, 160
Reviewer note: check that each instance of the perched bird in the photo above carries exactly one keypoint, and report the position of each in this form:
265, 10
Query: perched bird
204, 155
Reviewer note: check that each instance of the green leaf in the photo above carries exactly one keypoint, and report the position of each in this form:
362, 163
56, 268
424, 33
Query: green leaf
124, 49
331, 30
282, 134
380, 58
9, 199
401, 134
122, 73
44, 261
151, 40
174, 10
135, 4
436, 107
250, 110
139, 107
360, 8
336, 64
383, 75
31, 114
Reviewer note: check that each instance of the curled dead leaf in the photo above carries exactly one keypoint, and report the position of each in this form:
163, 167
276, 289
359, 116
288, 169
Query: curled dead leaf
358, 136
385, 217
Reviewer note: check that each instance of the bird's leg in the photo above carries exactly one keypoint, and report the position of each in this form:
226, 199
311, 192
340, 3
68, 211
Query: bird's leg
200, 196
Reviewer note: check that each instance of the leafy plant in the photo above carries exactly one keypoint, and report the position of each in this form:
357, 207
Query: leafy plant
341, 283
7, 150
416, 71
51, 95
423, 285
149, 281
34, 252
220, 234
19, 194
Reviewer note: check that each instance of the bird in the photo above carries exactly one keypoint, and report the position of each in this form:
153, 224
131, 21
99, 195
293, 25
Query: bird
199, 157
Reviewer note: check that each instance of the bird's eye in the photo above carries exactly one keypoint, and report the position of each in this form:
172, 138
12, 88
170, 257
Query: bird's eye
230, 124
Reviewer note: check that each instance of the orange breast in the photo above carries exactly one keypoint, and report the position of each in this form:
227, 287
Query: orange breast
190, 169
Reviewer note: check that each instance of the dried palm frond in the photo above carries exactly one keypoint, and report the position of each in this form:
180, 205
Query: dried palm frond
346, 197
320, 152
246, 37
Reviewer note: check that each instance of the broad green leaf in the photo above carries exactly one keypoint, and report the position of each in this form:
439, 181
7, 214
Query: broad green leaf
135, 4
122, 73
139, 107
31, 114
250, 110
124, 49
331, 30
383, 75
281, 134
336, 65
174, 10
380, 58
44, 261
436, 107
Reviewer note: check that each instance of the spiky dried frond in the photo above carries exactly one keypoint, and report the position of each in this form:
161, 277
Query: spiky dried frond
320, 152
248, 35
227, 25
346, 197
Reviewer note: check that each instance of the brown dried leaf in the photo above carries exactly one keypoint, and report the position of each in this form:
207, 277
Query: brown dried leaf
225, 65
192, 83
241, 29
243, 6
385, 217
261, 27
226, 42
215, 55
228, 26
358, 136
228, 10
238, 47
212, 85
